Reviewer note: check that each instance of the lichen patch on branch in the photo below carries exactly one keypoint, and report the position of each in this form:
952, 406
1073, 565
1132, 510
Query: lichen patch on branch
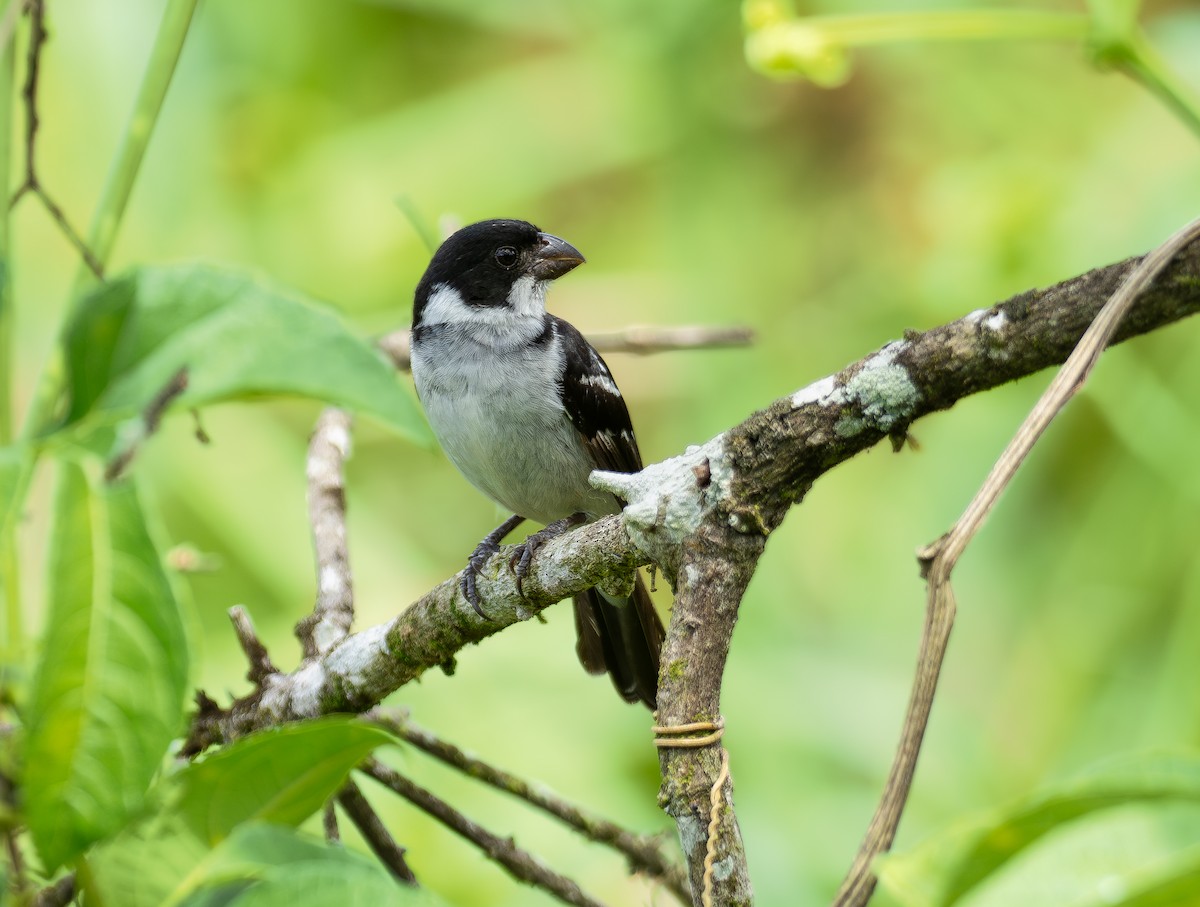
884, 392
667, 501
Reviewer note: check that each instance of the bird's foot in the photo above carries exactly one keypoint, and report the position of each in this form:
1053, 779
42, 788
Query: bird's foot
519, 562
483, 551
475, 562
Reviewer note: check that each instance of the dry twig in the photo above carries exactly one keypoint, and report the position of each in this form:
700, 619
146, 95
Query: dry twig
329, 823
32, 184
643, 340
644, 854
261, 666
374, 832
939, 558
521, 864
333, 613
150, 419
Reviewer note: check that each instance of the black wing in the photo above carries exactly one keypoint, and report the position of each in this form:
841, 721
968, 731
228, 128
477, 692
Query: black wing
595, 405
620, 637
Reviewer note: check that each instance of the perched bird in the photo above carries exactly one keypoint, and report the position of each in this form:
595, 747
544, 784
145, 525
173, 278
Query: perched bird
526, 409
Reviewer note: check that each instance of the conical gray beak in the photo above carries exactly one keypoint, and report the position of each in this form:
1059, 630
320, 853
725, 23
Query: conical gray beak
554, 257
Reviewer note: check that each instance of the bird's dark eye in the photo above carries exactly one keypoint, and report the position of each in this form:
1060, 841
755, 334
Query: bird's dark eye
506, 256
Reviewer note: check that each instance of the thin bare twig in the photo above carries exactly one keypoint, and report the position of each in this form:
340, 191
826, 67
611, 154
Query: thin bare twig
329, 823
18, 880
150, 419
643, 340
521, 864
333, 613
64, 224
36, 10
644, 853
939, 558
31, 184
378, 838
16, 861
261, 666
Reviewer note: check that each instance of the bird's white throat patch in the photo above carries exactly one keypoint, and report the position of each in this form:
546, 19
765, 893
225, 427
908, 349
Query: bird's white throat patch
528, 296
518, 321
526, 299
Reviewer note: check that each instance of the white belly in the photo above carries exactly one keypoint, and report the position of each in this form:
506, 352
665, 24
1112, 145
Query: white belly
499, 423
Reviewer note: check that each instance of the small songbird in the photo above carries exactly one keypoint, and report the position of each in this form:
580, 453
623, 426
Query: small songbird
526, 409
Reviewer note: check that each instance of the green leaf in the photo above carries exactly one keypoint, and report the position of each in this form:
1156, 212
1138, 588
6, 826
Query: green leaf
156, 861
108, 693
255, 847
945, 868
235, 335
282, 775
1177, 884
210, 829
164, 862
344, 884
275, 858
222, 896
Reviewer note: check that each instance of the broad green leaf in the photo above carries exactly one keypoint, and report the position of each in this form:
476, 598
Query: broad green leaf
221, 896
1176, 885
272, 857
210, 830
942, 870
109, 690
163, 861
282, 775
343, 884
156, 861
235, 335
255, 847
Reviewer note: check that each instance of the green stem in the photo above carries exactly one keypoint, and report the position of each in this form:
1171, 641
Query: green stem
161, 67
1144, 64
951, 25
168, 44
7, 365
818, 47
10, 577
121, 175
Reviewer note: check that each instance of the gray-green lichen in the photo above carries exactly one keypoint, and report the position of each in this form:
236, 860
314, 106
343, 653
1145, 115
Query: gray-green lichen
723, 869
666, 502
883, 392
692, 834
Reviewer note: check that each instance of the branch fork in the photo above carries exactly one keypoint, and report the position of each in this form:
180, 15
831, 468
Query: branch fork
704, 517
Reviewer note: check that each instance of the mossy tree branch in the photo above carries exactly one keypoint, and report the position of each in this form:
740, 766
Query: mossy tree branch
704, 517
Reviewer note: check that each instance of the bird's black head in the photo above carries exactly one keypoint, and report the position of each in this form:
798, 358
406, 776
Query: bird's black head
496, 263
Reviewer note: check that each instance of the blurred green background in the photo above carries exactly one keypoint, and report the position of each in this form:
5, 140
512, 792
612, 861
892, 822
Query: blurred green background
938, 180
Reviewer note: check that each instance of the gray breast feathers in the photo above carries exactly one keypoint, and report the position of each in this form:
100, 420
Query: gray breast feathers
498, 416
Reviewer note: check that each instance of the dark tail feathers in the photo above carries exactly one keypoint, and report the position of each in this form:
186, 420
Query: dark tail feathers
621, 636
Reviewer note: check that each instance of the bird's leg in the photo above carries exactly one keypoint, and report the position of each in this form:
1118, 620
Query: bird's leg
484, 550
519, 562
